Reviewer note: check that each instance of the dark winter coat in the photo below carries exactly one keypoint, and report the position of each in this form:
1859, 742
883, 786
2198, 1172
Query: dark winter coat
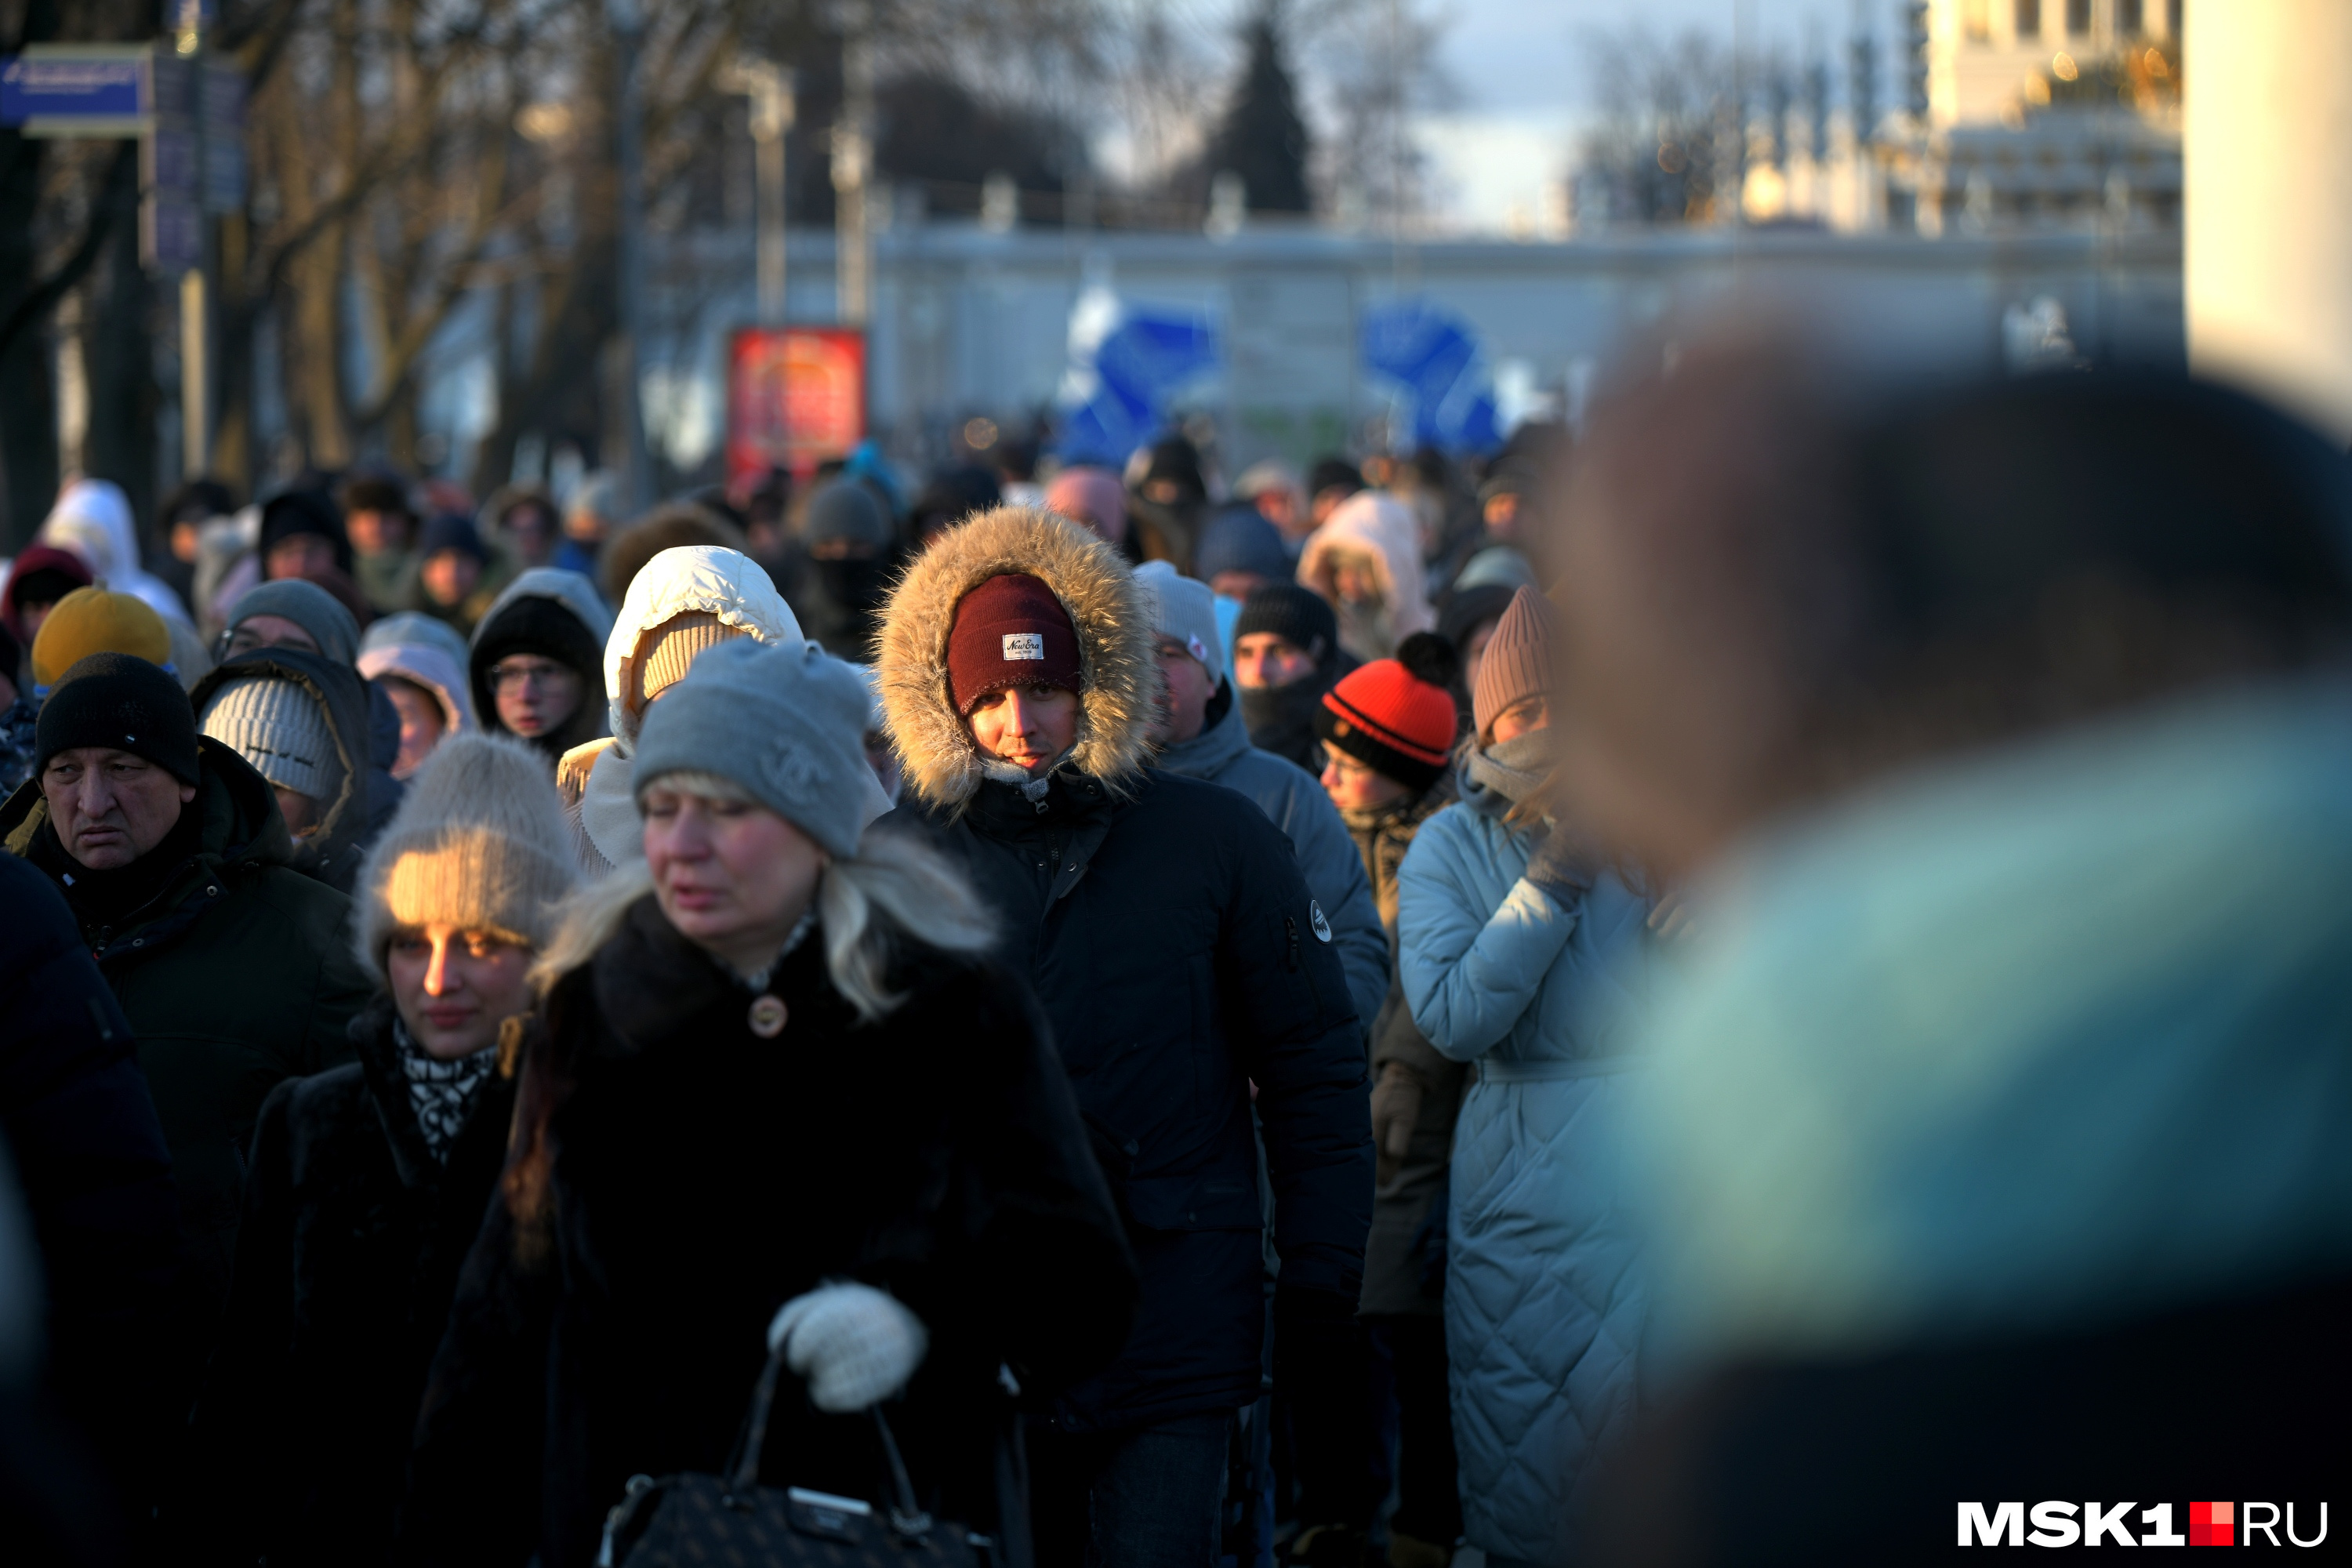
1294, 802
366, 730
701, 1177
1172, 940
1404, 1260
1165, 923
346, 1263
91, 1161
235, 973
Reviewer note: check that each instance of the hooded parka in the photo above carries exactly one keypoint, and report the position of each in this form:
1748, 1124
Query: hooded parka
707, 579
352, 1237
235, 975
92, 519
1543, 1300
1181, 960
557, 614
693, 1176
1293, 801
357, 716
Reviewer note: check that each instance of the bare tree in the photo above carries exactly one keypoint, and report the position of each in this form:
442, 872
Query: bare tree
1666, 145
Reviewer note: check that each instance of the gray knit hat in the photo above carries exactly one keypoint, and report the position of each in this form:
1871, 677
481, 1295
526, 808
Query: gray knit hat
278, 726
788, 724
478, 842
308, 605
1184, 608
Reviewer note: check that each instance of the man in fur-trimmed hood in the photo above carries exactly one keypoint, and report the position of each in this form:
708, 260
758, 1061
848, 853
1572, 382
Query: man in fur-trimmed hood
1181, 959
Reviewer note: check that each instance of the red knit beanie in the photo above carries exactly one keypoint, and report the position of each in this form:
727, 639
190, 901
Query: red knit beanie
1396, 715
1009, 631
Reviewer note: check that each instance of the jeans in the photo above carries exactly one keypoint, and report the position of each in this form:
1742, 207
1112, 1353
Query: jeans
1146, 1497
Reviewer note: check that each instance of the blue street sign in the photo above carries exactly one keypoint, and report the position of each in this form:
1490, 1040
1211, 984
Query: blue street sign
94, 90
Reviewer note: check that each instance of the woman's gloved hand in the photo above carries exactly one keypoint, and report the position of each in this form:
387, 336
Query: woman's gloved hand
856, 1346
1562, 866
1396, 1106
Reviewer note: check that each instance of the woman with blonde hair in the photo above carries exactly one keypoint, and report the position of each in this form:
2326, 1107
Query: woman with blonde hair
367, 1183
781, 1099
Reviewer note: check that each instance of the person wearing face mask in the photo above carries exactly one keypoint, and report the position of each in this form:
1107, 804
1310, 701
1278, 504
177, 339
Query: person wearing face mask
783, 1101
1514, 936
841, 573
1287, 655
1181, 961
367, 1183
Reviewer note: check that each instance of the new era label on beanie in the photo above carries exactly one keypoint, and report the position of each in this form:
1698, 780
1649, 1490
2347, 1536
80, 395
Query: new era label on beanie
1024, 645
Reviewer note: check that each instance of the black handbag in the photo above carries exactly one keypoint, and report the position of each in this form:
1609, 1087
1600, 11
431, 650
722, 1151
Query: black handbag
686, 1521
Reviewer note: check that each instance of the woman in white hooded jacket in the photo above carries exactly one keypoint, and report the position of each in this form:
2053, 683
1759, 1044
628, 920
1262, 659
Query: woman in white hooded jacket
684, 603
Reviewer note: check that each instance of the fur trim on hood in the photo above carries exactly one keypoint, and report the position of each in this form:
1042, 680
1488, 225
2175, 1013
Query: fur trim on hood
1109, 609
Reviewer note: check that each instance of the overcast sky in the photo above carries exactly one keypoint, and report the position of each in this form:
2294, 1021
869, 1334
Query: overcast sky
1519, 71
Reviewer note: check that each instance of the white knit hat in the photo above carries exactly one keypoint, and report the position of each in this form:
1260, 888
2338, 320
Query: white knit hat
278, 726
479, 843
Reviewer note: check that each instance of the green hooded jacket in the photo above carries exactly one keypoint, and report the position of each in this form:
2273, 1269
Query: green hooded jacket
238, 974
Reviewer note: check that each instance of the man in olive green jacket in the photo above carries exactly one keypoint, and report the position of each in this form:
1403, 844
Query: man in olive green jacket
235, 971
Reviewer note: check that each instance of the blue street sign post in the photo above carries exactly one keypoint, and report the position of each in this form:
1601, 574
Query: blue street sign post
78, 89
187, 110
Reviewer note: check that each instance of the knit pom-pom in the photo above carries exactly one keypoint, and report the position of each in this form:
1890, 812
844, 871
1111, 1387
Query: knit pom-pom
1427, 656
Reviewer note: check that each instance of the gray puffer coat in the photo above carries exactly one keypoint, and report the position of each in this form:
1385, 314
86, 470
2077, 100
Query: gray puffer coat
1544, 1303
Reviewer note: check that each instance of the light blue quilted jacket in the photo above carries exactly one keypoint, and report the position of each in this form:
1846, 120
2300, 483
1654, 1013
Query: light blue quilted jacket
1544, 1304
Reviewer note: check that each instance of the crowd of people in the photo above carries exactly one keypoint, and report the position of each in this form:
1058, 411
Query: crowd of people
1095, 1018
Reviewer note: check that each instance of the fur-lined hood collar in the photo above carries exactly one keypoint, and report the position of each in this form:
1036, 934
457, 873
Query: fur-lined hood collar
1105, 604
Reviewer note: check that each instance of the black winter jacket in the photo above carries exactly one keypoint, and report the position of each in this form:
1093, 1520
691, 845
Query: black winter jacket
1181, 962
95, 1172
701, 1177
346, 1262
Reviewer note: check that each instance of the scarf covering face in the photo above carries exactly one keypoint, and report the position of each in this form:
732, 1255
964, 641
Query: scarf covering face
1513, 769
442, 1093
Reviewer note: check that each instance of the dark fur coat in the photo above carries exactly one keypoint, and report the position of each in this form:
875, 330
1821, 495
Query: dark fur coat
346, 1262
676, 1179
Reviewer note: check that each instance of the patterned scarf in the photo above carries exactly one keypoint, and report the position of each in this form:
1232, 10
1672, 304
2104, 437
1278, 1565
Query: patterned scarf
442, 1093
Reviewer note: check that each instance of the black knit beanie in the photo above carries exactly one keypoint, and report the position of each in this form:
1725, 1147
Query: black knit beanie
294, 511
1295, 614
534, 623
124, 702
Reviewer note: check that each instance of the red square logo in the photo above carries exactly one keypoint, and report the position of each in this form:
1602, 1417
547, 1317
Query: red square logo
2213, 1524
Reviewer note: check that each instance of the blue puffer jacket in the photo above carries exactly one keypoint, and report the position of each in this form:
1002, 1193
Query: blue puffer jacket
1544, 1306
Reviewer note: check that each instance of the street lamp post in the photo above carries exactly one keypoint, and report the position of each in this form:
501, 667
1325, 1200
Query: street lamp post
853, 163
770, 87
627, 23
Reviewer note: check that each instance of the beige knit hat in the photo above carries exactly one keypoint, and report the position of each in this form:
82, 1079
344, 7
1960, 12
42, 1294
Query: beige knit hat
479, 841
1516, 664
667, 651
278, 726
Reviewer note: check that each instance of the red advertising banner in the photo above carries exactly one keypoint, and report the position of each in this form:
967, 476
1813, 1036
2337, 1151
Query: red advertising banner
795, 396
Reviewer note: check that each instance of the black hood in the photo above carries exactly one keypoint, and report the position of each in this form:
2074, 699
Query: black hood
542, 625
332, 852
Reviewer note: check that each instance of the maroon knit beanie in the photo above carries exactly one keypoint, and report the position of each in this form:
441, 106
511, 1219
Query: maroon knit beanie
1009, 631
